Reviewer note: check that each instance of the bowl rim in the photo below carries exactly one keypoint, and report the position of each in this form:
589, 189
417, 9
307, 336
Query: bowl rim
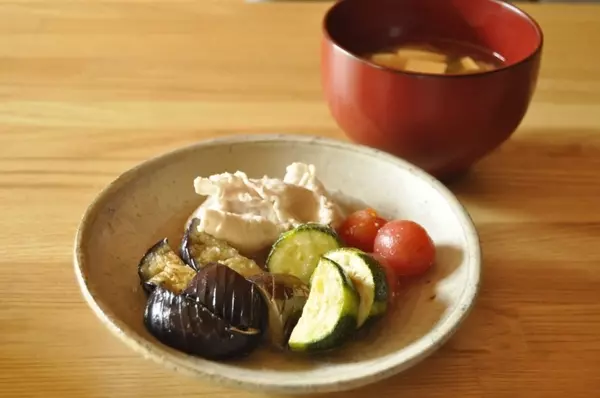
512, 7
174, 360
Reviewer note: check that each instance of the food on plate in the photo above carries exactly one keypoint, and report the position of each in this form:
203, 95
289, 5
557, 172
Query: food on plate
250, 213
367, 276
199, 249
360, 228
161, 266
285, 296
437, 57
326, 274
406, 247
298, 251
230, 296
330, 314
183, 323
393, 280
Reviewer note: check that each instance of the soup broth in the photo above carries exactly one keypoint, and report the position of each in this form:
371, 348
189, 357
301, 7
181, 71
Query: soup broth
442, 57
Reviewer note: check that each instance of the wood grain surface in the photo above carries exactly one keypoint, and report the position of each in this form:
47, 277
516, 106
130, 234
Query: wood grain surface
89, 89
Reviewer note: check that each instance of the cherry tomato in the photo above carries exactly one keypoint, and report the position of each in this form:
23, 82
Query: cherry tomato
406, 247
360, 228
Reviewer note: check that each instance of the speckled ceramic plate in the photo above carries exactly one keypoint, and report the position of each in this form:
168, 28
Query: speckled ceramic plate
154, 199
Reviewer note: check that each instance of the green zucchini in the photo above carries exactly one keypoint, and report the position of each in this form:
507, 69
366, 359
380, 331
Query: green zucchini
297, 251
368, 278
330, 313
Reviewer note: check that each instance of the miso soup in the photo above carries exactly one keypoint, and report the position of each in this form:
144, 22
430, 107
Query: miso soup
437, 57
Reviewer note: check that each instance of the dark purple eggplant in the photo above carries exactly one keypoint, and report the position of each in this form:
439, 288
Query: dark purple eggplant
161, 266
230, 296
183, 323
199, 249
285, 296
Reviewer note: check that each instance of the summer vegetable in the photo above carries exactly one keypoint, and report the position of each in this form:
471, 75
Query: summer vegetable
230, 296
184, 323
321, 281
160, 265
393, 281
369, 279
316, 294
330, 314
219, 315
360, 228
403, 245
285, 296
298, 251
199, 248
406, 247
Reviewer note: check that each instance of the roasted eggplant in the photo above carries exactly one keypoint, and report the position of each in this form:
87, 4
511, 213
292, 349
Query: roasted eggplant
285, 296
199, 249
229, 296
161, 266
183, 323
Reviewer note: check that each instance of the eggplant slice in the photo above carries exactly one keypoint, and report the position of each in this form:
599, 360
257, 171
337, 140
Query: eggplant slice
185, 324
229, 296
285, 296
199, 249
161, 266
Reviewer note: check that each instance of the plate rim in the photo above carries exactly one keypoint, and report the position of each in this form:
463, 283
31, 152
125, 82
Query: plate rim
169, 358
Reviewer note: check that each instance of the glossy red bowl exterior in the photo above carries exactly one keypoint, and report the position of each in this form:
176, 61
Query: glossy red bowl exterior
441, 123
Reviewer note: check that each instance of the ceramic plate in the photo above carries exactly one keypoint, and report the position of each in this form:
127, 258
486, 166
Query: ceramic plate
154, 199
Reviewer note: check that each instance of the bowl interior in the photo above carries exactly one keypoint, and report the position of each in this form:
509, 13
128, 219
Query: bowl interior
360, 27
154, 200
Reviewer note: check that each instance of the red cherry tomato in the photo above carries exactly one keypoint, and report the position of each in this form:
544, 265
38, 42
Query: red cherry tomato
360, 228
406, 247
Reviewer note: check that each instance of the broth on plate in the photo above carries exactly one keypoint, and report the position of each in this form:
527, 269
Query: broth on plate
437, 57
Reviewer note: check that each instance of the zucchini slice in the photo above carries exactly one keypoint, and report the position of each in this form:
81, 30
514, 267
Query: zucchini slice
368, 278
330, 313
297, 251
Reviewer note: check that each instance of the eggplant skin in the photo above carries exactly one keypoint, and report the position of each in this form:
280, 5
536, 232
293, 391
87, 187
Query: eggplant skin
230, 296
285, 296
185, 324
160, 265
199, 249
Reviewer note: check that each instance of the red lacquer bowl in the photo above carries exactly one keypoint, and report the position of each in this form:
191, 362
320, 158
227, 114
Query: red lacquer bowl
441, 123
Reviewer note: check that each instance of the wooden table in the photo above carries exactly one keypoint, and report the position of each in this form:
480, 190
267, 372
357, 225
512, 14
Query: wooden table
89, 89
